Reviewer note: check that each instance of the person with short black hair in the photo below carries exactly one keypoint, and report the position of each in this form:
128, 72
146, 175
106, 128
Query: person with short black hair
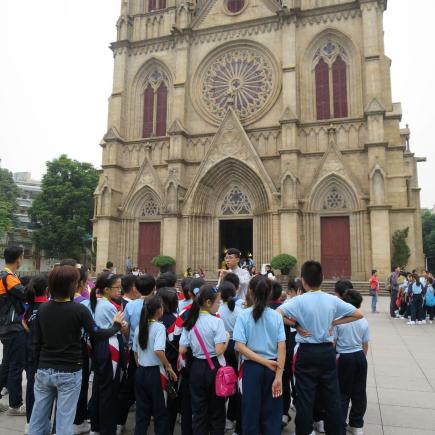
109, 267
58, 351
232, 258
316, 313
342, 286
351, 345
167, 279
129, 291
12, 335
374, 289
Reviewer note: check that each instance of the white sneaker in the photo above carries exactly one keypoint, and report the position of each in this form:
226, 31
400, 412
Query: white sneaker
430, 321
26, 429
319, 426
411, 322
17, 412
423, 322
119, 429
285, 420
4, 392
3, 408
85, 427
355, 430
229, 425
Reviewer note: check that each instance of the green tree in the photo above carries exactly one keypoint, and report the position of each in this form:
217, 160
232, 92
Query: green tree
8, 201
64, 208
401, 251
428, 225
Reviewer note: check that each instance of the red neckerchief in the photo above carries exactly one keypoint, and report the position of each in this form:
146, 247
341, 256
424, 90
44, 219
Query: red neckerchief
277, 301
116, 305
41, 299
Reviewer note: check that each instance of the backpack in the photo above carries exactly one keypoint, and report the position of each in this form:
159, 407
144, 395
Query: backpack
226, 379
430, 298
10, 320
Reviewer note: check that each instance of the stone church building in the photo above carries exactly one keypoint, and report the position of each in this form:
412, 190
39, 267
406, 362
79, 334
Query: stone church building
265, 125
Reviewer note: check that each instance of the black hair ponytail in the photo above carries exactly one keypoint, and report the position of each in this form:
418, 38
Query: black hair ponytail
228, 293
149, 309
207, 292
261, 294
104, 280
36, 287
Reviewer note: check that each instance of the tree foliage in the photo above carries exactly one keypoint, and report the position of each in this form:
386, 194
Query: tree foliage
64, 208
284, 263
401, 251
8, 201
428, 224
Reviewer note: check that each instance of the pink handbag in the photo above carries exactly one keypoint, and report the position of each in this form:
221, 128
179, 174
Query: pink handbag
226, 379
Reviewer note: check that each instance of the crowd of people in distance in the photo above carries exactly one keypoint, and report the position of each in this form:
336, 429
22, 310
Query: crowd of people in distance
412, 296
228, 358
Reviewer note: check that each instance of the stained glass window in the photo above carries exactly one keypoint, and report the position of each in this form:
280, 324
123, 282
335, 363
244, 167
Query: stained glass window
322, 90
150, 208
236, 202
339, 88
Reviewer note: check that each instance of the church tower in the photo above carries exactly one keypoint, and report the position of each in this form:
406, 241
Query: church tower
265, 125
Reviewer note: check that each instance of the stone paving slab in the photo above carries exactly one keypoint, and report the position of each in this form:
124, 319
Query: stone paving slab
400, 382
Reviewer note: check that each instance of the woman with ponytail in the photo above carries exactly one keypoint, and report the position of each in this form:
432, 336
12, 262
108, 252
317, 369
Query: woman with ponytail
203, 331
149, 346
260, 339
228, 312
108, 357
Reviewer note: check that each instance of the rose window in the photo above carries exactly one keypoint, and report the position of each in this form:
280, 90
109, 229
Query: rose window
236, 202
151, 208
242, 76
334, 200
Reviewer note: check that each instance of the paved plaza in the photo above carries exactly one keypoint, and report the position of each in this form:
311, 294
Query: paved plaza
401, 380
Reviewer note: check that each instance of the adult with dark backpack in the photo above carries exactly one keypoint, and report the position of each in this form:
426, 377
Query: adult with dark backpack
12, 334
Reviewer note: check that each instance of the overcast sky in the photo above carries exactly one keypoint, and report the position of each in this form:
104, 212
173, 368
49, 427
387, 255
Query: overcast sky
56, 76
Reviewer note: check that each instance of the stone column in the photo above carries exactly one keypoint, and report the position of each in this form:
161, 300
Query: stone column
380, 239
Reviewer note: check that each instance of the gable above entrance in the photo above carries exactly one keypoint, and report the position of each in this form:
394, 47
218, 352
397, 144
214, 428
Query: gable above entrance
220, 12
231, 158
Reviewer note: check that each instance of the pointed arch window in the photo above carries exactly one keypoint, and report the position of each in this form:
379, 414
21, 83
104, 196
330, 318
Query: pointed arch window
155, 105
330, 75
322, 90
154, 5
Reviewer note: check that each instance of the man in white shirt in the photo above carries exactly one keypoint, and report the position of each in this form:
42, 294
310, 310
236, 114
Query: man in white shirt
232, 258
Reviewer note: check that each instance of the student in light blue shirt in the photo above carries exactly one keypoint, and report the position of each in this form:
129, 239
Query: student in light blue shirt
351, 345
149, 346
145, 285
228, 312
107, 371
185, 287
316, 313
260, 339
208, 410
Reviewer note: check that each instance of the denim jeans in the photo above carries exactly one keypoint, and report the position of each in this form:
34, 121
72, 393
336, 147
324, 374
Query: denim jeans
374, 302
50, 383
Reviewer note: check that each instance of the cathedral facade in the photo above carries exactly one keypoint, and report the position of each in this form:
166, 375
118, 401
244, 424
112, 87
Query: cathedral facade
260, 124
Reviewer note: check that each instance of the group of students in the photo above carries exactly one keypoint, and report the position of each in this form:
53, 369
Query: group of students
150, 347
415, 298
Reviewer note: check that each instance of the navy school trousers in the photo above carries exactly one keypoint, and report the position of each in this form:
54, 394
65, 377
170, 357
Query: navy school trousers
352, 376
208, 410
315, 371
150, 401
261, 413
